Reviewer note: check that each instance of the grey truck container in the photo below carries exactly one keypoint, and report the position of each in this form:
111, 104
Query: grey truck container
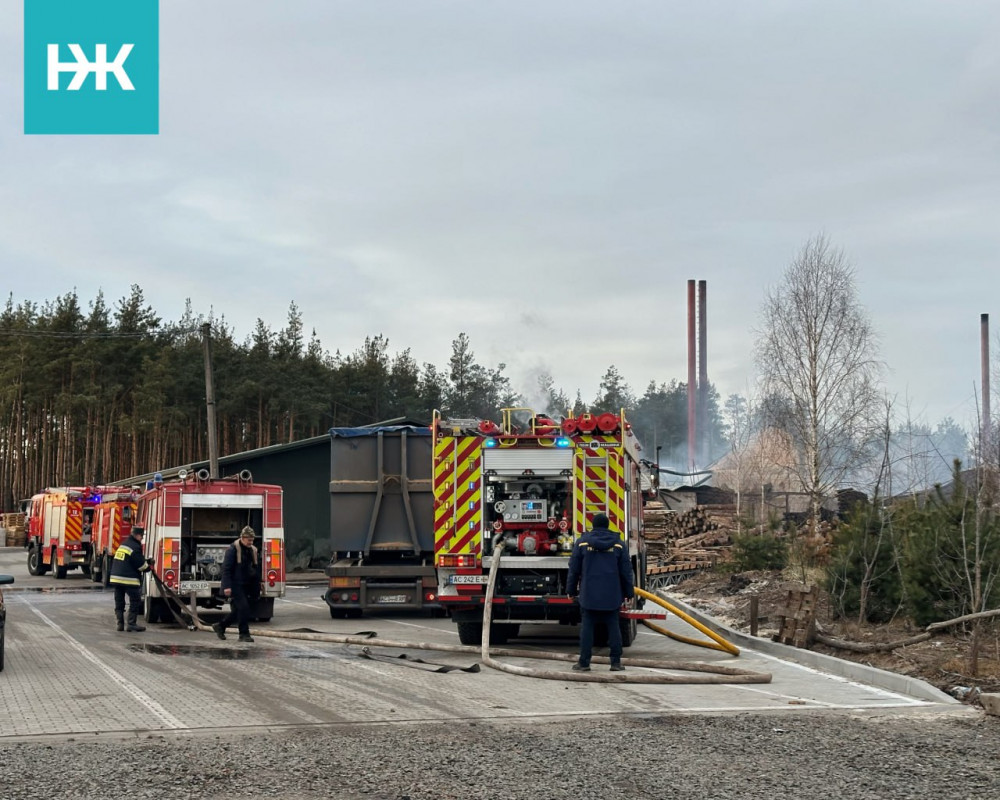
381, 520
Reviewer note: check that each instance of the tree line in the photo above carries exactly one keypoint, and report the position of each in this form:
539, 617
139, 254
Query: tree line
923, 540
111, 391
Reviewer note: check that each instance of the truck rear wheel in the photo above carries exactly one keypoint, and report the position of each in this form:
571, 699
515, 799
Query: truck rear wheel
630, 628
346, 613
153, 609
264, 609
470, 633
59, 573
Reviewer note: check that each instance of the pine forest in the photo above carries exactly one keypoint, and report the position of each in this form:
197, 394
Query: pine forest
110, 392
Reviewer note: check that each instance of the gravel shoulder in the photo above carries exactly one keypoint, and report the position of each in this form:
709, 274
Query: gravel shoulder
741, 757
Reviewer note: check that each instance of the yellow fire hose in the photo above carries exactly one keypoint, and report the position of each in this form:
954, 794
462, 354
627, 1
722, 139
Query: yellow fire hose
717, 643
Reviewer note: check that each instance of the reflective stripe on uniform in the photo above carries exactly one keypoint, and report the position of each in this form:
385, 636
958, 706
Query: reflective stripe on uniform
589, 546
123, 552
123, 581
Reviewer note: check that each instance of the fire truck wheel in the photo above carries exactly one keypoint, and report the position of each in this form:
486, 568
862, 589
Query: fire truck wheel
470, 633
106, 571
499, 634
35, 562
264, 609
95, 571
630, 629
85, 569
59, 573
152, 610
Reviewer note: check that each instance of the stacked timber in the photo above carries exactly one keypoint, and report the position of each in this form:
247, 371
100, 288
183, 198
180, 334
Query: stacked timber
700, 537
13, 524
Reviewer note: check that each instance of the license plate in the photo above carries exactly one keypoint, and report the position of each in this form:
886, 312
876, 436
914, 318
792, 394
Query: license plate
392, 598
469, 579
194, 586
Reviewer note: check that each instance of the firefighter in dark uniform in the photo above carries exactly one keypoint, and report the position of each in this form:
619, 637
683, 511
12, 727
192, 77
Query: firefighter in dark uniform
600, 573
127, 569
241, 584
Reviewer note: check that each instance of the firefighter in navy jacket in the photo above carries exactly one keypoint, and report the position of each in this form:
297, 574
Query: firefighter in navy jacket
241, 584
600, 573
127, 569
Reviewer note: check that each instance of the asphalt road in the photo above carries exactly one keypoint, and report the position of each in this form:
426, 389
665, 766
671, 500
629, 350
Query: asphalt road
69, 672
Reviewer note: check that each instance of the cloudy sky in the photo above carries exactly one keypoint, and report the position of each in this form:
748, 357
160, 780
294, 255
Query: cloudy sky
544, 176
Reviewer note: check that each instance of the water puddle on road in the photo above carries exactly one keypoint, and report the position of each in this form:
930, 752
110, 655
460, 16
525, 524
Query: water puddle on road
14, 589
224, 653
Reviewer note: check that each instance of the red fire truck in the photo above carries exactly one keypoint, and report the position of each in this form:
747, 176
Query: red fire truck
190, 523
112, 522
59, 526
534, 485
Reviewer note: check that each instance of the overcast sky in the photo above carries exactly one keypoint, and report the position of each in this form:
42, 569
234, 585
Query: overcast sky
544, 176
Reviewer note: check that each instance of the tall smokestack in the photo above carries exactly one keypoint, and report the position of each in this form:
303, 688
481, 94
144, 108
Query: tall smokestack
702, 374
984, 333
691, 377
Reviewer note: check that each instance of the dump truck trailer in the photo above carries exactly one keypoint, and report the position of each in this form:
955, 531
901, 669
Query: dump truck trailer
381, 520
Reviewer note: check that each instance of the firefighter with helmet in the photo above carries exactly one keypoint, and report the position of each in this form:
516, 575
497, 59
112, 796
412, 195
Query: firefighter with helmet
127, 570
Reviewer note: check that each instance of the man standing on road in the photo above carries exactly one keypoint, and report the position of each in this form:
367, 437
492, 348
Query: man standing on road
127, 568
241, 584
601, 574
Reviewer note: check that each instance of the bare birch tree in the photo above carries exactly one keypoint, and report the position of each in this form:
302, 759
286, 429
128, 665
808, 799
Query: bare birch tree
817, 352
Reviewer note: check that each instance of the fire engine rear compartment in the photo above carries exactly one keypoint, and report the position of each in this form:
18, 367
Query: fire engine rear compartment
206, 534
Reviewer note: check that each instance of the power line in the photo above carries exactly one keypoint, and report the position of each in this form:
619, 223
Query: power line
91, 334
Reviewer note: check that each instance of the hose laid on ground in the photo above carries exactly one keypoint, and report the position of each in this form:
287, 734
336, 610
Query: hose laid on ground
169, 594
716, 674
717, 643
712, 673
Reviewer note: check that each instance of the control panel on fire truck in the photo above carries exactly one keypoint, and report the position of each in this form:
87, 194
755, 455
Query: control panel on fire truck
523, 510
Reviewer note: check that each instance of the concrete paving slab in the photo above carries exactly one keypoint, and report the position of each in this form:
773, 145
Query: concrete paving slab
69, 673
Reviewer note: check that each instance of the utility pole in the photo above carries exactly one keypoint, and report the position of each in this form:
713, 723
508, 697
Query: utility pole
213, 444
984, 347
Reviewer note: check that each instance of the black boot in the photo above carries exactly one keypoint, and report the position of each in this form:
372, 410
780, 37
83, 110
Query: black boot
133, 626
120, 616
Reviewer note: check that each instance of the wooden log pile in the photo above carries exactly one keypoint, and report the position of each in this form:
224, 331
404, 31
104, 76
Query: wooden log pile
701, 536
